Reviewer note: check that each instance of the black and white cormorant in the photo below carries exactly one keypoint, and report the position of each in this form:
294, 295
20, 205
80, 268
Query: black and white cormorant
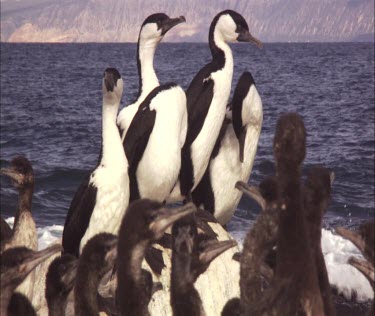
15, 264
234, 152
152, 32
24, 230
145, 222
153, 143
101, 200
60, 280
97, 259
207, 98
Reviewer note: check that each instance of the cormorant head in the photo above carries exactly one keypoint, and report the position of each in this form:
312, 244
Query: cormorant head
246, 109
184, 233
199, 249
61, 276
156, 26
20, 171
208, 249
147, 220
113, 86
99, 254
230, 26
289, 144
18, 262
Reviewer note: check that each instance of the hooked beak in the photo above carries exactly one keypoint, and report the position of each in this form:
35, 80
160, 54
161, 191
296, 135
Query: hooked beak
365, 267
332, 177
169, 23
109, 81
353, 237
9, 172
167, 217
245, 36
38, 257
253, 192
214, 248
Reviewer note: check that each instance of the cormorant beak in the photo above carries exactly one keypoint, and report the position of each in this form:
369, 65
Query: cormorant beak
245, 36
214, 248
109, 81
365, 267
253, 192
169, 23
166, 217
11, 173
355, 238
332, 177
32, 262
70, 274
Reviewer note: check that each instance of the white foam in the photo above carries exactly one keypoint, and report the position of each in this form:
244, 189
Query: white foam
46, 235
337, 250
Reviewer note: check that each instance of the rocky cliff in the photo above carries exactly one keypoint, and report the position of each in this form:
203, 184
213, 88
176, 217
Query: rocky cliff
119, 20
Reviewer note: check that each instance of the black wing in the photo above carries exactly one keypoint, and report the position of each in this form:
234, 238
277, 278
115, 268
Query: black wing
199, 96
135, 143
198, 100
78, 217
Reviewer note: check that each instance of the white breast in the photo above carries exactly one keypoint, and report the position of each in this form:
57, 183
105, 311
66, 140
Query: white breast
159, 167
226, 169
111, 201
126, 116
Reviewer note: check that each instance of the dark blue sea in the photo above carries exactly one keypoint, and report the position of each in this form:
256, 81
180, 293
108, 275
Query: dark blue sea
51, 103
51, 113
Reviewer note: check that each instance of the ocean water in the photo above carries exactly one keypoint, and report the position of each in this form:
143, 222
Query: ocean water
51, 113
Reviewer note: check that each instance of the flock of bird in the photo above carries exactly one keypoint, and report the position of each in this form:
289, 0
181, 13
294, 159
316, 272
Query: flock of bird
192, 147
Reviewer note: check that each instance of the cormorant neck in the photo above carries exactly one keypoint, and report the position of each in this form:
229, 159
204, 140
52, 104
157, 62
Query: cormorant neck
185, 298
57, 305
219, 48
146, 72
5, 296
130, 289
181, 271
26, 197
132, 257
85, 292
111, 141
25, 201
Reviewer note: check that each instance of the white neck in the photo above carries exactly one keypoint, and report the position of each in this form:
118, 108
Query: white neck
222, 45
111, 141
146, 53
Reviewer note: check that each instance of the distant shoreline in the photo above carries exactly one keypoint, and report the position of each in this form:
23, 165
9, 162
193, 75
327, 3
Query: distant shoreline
163, 43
